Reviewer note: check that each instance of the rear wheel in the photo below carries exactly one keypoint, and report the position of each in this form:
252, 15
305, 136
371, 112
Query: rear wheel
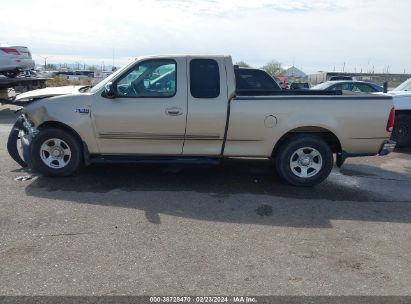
55, 152
304, 160
402, 131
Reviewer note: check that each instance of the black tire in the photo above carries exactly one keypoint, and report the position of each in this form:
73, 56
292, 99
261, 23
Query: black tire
74, 162
288, 150
402, 131
12, 143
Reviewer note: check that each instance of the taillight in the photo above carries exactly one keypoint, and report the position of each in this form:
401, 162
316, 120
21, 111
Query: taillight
10, 51
391, 120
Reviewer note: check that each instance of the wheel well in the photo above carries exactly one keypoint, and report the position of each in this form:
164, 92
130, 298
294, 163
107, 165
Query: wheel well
329, 137
62, 126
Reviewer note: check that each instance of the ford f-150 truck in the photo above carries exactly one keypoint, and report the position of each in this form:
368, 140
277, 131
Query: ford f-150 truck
185, 108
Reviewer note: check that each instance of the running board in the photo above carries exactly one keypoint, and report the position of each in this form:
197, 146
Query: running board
98, 159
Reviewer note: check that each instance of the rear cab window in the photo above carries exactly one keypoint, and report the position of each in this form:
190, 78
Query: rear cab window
253, 79
204, 78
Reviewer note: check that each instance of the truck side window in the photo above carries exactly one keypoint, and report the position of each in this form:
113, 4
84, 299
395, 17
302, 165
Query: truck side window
204, 78
152, 78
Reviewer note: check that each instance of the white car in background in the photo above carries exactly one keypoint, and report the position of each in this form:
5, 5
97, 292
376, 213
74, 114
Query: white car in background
14, 60
402, 102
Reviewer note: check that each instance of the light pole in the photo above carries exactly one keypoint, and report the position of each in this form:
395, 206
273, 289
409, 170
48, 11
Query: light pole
45, 61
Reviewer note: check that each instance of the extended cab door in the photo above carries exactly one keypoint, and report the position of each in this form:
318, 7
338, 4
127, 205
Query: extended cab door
148, 114
207, 106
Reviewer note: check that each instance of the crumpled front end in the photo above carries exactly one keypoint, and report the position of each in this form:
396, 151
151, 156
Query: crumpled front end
19, 141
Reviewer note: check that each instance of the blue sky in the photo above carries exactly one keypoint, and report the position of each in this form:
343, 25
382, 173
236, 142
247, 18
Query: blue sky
315, 35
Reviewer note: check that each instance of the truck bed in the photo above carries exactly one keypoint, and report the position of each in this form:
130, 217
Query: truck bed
358, 121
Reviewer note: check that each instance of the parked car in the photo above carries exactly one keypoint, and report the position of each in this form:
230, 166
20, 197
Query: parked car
191, 114
402, 102
299, 86
86, 73
14, 60
353, 86
336, 78
78, 74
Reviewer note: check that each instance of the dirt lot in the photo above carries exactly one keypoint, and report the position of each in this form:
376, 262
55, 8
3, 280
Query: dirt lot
206, 230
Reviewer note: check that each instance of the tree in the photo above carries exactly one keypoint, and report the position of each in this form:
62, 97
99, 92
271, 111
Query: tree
242, 64
92, 68
273, 68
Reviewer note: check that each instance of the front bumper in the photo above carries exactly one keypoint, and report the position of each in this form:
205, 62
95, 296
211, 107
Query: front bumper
387, 147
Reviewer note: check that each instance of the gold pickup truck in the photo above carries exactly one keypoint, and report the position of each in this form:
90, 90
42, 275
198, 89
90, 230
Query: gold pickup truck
186, 108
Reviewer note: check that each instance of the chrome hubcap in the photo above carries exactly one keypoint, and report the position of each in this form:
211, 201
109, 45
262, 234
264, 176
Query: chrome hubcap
306, 162
55, 153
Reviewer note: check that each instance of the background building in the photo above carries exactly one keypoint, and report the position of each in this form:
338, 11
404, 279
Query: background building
293, 72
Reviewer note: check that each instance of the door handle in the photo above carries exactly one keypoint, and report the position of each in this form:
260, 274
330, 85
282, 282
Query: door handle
174, 111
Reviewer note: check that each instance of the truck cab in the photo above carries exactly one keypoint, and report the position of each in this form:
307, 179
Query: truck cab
152, 109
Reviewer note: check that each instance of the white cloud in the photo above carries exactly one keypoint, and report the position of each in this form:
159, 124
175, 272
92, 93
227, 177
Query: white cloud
315, 34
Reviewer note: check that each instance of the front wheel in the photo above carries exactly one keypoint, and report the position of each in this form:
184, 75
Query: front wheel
304, 160
55, 152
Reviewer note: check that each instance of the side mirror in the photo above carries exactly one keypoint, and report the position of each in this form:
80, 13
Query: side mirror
109, 90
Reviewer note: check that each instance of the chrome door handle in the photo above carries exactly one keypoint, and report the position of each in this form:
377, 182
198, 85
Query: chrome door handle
174, 111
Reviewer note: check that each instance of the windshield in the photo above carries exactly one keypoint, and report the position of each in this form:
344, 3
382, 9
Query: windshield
102, 83
405, 86
321, 86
